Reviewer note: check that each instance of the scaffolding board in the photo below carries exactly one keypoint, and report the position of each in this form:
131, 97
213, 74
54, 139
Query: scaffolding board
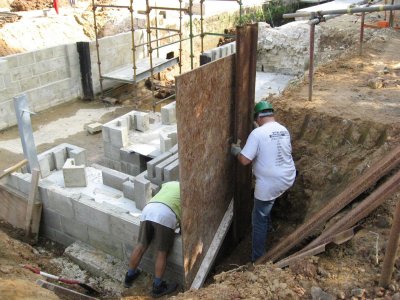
143, 70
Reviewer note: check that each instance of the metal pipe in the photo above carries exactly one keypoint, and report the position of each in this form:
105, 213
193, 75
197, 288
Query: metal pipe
391, 17
165, 99
367, 206
201, 26
185, 39
97, 49
344, 11
180, 37
168, 8
362, 32
150, 49
160, 39
391, 249
311, 63
156, 22
133, 42
165, 29
220, 34
191, 32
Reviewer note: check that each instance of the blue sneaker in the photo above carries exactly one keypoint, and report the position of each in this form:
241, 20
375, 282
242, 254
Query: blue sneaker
130, 279
163, 289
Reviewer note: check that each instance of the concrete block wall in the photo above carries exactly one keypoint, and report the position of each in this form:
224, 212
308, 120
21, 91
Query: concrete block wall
217, 53
136, 129
55, 158
164, 167
49, 77
70, 215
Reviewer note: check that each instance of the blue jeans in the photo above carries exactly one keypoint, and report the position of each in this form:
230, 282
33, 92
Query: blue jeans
261, 220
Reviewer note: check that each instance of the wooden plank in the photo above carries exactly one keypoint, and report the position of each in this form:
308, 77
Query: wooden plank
13, 168
246, 50
32, 216
63, 292
204, 114
212, 252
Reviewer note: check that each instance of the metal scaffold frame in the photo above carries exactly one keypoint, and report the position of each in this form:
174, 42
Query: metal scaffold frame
154, 31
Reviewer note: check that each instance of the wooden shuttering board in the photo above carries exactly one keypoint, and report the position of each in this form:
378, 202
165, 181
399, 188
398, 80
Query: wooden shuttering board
204, 106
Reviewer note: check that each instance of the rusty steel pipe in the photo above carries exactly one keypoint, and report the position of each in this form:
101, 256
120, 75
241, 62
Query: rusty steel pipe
362, 183
391, 249
311, 63
367, 206
362, 32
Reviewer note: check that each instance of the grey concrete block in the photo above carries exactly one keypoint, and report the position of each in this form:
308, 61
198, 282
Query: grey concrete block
168, 114
57, 236
78, 154
50, 219
114, 179
160, 167
91, 213
74, 176
105, 242
105, 131
74, 229
125, 227
141, 121
59, 157
96, 262
94, 128
167, 141
171, 172
119, 136
60, 201
174, 149
110, 151
44, 165
151, 171
128, 189
142, 192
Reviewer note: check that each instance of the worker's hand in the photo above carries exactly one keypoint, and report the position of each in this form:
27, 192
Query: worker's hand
235, 148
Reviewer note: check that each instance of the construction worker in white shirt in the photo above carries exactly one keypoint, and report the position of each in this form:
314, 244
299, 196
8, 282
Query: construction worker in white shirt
269, 149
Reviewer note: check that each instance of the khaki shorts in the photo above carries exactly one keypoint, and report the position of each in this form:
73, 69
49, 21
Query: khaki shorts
162, 235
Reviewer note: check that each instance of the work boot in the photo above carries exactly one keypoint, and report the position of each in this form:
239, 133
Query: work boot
130, 279
163, 289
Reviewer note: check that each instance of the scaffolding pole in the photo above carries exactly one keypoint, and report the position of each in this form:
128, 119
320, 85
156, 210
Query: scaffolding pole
97, 48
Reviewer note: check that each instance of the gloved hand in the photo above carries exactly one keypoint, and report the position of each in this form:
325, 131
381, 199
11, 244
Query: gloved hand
235, 148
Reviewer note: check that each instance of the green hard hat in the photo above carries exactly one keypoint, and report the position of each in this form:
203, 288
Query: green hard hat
262, 105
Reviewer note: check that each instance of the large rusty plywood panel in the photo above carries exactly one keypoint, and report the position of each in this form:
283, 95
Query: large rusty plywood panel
204, 107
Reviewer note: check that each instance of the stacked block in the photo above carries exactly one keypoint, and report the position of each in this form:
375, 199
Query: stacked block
74, 176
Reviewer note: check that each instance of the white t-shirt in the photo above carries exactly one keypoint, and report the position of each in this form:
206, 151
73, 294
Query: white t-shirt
159, 213
269, 148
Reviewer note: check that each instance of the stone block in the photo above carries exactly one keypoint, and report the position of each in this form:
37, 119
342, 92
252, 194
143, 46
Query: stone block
160, 167
94, 128
77, 230
128, 189
125, 227
58, 236
142, 192
48, 77
60, 201
3, 66
119, 136
59, 157
168, 114
141, 121
171, 172
50, 219
105, 242
111, 152
97, 262
114, 179
167, 141
151, 171
174, 149
106, 134
44, 166
91, 213
43, 54
29, 83
74, 176
78, 154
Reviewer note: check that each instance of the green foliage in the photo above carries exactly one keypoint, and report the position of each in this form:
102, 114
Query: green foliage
271, 12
